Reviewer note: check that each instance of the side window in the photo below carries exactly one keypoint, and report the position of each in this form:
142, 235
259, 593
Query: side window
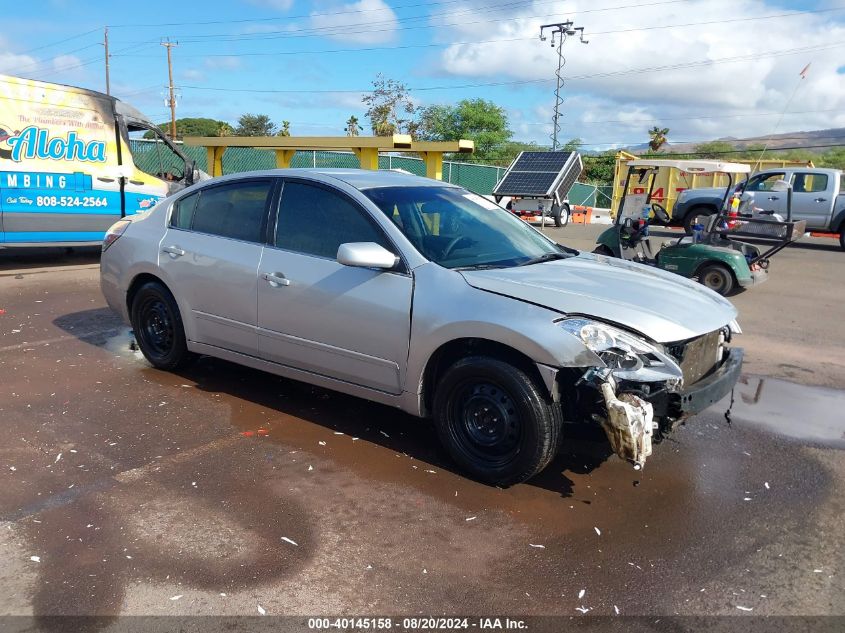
809, 183
183, 211
235, 210
764, 182
157, 158
315, 221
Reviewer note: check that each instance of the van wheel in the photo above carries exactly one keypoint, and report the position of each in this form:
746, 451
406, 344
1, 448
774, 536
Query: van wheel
696, 215
495, 421
717, 277
158, 327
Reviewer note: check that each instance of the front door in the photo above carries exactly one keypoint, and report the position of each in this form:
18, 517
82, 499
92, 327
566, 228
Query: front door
314, 314
210, 255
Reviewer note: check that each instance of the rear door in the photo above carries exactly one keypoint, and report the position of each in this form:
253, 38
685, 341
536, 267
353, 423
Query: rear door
812, 198
210, 254
314, 314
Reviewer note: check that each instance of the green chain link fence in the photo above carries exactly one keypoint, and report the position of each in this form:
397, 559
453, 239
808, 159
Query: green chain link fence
478, 178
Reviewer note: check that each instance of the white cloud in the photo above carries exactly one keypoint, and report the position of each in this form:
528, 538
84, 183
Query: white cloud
14, 63
192, 74
753, 83
223, 63
65, 62
278, 5
362, 22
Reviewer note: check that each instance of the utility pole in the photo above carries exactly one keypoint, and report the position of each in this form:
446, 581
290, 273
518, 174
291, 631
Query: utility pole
560, 30
171, 101
106, 45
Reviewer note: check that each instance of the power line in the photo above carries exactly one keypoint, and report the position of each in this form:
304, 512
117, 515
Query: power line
689, 118
691, 64
67, 39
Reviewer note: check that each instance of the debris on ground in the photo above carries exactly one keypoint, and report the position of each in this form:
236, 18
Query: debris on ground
598, 531
470, 519
537, 546
287, 540
174, 598
745, 608
35, 559
582, 593
262, 610
321, 443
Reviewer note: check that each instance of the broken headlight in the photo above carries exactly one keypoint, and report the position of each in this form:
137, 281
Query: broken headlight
618, 349
628, 356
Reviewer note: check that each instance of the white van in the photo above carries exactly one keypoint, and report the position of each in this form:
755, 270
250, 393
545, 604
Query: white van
67, 169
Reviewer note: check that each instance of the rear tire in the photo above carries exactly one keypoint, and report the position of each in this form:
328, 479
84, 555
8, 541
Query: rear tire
495, 421
158, 327
695, 216
717, 277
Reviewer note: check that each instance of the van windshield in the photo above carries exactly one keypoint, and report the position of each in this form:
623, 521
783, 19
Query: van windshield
458, 229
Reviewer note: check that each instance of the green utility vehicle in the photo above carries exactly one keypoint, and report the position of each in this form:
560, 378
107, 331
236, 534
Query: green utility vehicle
710, 255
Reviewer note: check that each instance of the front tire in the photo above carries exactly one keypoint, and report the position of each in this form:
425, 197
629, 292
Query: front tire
158, 327
718, 278
495, 421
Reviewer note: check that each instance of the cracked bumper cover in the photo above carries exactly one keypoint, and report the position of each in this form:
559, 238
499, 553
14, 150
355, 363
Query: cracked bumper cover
710, 389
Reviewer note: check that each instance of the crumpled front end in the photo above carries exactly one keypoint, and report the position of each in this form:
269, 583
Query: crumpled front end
644, 390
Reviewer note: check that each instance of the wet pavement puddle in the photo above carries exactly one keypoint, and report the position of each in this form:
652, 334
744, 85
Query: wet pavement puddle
813, 414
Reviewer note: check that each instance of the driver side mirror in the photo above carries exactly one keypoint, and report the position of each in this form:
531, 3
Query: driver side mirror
366, 255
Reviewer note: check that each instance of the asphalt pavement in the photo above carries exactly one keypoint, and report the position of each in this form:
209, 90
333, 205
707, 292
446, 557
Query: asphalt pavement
223, 490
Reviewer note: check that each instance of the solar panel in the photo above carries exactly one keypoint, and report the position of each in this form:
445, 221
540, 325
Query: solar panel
541, 174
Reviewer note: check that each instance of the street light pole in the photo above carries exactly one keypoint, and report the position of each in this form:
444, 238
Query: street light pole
560, 31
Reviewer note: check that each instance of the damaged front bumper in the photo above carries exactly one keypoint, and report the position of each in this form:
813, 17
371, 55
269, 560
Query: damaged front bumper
630, 411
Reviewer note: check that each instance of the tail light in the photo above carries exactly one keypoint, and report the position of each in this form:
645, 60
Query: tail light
115, 231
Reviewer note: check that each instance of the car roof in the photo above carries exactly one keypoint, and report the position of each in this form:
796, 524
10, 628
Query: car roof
358, 178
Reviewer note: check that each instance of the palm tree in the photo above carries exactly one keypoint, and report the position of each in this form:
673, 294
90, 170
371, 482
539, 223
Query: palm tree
352, 127
658, 137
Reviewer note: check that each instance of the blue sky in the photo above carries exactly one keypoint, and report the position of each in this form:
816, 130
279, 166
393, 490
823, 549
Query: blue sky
703, 68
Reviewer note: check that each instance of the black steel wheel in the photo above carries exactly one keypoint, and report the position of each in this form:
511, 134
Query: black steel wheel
495, 421
158, 327
717, 277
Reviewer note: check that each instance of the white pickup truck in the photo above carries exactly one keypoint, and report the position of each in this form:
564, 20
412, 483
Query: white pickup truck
818, 196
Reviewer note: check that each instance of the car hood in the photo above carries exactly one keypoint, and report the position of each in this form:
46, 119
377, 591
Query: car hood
661, 305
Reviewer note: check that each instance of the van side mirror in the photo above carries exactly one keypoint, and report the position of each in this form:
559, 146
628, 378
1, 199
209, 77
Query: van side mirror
366, 255
190, 172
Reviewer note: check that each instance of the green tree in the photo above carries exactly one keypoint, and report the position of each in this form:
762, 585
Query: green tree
657, 137
225, 130
255, 125
478, 120
352, 126
713, 149
572, 145
285, 129
191, 127
390, 108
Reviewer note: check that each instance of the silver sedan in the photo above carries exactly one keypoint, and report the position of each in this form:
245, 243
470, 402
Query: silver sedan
427, 297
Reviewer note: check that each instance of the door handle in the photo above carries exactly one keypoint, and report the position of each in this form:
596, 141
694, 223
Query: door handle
275, 279
136, 182
105, 179
773, 198
173, 251
820, 200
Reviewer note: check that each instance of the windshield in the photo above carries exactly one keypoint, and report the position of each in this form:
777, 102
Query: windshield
458, 229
